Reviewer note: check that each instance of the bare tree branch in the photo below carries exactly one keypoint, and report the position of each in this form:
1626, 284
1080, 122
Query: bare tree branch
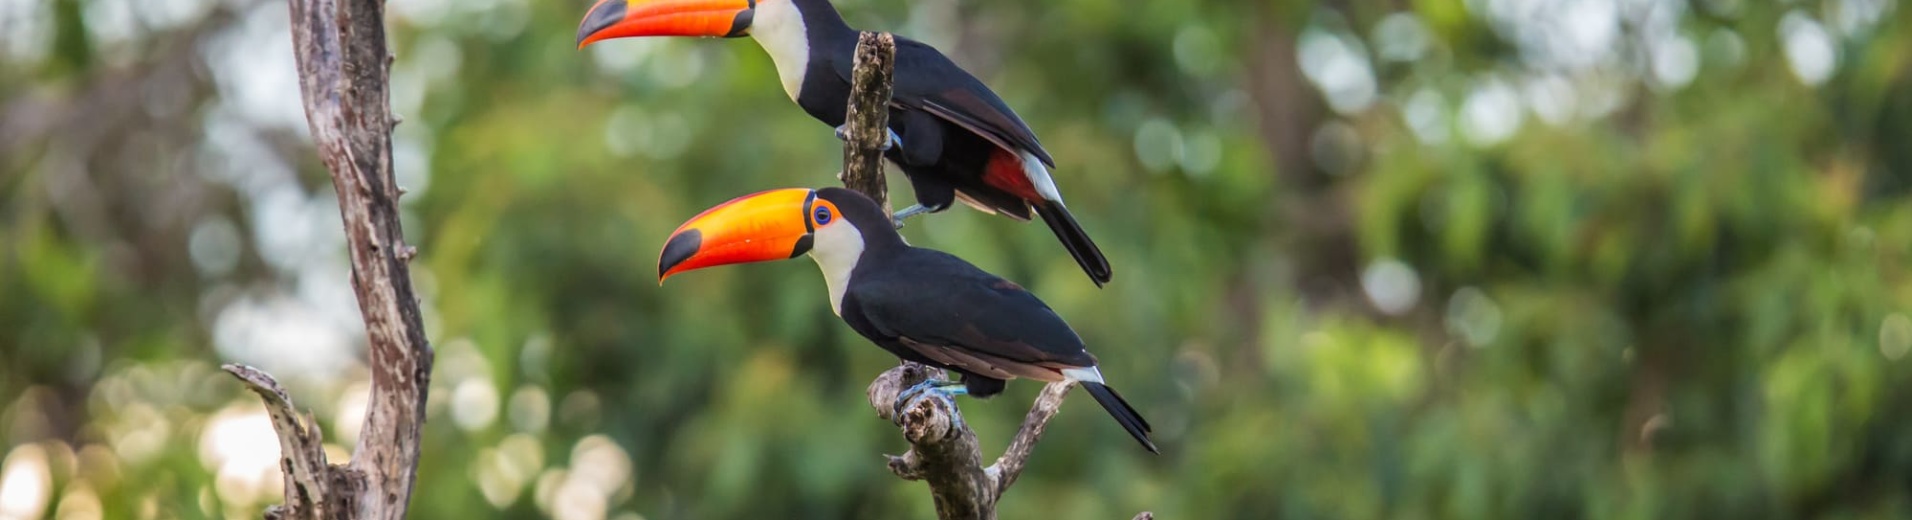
344, 67
868, 119
301, 451
1008, 467
943, 451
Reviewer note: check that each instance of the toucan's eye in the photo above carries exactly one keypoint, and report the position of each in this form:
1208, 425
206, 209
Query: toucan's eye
823, 215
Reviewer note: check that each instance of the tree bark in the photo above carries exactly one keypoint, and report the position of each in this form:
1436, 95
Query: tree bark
868, 118
943, 451
344, 67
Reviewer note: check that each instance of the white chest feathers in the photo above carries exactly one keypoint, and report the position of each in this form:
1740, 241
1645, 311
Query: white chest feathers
837, 248
778, 27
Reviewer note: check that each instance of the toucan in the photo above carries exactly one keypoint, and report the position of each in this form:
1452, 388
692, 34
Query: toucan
953, 137
920, 304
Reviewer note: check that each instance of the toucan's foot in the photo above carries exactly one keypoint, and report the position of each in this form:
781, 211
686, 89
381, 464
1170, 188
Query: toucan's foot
843, 134
931, 389
911, 212
907, 213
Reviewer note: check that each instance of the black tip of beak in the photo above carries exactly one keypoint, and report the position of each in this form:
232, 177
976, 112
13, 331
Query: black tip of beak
602, 16
680, 248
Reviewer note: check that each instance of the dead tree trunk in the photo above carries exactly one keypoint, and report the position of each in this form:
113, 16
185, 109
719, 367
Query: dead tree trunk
343, 77
943, 451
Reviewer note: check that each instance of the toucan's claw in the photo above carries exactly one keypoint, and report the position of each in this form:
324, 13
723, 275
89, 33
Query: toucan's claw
907, 213
843, 134
956, 418
907, 398
911, 211
955, 415
933, 388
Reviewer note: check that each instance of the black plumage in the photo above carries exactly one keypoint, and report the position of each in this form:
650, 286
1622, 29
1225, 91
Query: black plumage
958, 137
933, 308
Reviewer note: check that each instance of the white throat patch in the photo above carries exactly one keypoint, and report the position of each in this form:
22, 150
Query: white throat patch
778, 27
836, 248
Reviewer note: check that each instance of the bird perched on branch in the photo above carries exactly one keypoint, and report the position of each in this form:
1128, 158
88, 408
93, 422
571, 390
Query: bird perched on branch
920, 304
952, 135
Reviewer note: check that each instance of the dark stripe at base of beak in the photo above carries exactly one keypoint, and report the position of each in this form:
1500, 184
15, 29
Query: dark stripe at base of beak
741, 23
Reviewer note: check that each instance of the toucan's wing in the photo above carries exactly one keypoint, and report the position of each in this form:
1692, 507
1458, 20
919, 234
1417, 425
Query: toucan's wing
927, 80
953, 312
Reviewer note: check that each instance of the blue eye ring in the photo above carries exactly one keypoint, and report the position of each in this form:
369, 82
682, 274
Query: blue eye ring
822, 215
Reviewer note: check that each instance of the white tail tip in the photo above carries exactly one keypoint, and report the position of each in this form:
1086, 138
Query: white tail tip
1088, 374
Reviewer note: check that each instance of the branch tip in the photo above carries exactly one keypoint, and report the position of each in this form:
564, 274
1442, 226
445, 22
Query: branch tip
301, 447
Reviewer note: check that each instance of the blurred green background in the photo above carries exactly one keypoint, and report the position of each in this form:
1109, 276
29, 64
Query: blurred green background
1405, 259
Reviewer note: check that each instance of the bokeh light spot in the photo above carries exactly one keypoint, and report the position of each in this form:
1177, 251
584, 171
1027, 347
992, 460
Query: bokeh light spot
1809, 48
1474, 317
474, 404
1391, 285
1895, 336
1491, 113
1339, 67
25, 483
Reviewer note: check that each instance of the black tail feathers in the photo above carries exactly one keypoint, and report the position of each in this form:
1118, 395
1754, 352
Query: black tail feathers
1076, 241
1123, 413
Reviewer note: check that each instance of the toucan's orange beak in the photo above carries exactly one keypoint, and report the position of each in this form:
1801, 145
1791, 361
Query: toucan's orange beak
632, 18
771, 225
